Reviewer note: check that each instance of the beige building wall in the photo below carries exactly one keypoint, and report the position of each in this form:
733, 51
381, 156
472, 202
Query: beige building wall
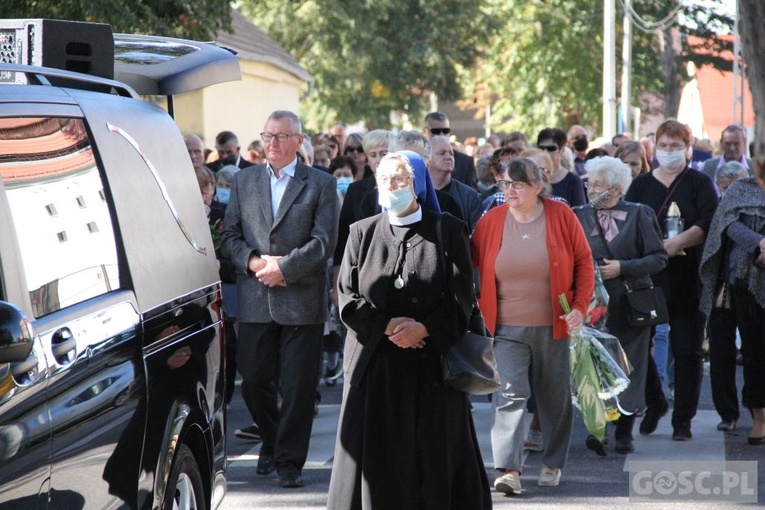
241, 106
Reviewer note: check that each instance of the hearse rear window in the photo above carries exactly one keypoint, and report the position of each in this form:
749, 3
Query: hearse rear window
62, 221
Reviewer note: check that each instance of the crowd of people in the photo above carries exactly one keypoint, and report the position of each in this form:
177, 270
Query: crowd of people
330, 256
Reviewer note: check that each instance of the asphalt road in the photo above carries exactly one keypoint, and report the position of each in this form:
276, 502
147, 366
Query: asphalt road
588, 481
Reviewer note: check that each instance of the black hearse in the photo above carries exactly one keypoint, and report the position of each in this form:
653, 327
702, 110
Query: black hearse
111, 343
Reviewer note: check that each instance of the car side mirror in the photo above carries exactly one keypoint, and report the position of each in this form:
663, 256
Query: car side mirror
16, 334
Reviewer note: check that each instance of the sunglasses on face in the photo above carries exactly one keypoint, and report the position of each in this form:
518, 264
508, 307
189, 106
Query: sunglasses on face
440, 131
348, 150
549, 148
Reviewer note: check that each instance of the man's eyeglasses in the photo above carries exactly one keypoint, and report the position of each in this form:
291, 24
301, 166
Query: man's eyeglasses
503, 184
440, 131
350, 149
549, 148
280, 137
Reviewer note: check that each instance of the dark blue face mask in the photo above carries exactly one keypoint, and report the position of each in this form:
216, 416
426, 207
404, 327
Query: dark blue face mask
223, 194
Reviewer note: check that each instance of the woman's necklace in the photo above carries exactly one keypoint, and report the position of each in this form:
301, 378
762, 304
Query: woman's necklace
523, 221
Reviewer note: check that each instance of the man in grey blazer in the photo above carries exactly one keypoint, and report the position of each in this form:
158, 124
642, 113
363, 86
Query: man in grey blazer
280, 229
733, 144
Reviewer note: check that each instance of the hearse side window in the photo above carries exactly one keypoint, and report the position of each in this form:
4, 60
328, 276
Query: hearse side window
63, 227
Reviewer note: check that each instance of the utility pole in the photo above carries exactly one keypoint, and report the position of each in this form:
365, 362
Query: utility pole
738, 76
487, 123
609, 70
627, 74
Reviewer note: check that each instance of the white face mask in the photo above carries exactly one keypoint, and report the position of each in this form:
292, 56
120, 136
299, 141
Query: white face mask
671, 161
396, 201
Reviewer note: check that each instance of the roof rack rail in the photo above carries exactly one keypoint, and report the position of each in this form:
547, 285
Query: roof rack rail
60, 78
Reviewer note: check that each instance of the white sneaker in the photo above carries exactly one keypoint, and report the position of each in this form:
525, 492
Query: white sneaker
534, 441
549, 477
508, 484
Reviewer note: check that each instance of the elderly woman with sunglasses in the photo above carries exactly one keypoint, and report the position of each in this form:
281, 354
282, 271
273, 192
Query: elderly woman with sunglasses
565, 184
529, 251
626, 240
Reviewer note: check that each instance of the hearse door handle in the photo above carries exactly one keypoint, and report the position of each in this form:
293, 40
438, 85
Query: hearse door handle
23, 367
62, 343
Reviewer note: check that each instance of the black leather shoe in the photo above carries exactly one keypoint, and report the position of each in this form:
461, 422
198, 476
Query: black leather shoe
756, 441
624, 445
265, 464
726, 425
682, 432
596, 446
651, 419
291, 481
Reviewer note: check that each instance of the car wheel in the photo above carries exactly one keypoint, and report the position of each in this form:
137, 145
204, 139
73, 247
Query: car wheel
184, 489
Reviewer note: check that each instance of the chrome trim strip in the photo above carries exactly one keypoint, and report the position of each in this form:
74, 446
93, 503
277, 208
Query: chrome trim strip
160, 183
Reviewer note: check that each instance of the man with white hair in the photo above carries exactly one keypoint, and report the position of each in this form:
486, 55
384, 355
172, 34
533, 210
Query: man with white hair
440, 168
280, 230
196, 151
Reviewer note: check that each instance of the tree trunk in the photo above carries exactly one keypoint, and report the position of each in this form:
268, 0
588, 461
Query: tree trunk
752, 17
670, 39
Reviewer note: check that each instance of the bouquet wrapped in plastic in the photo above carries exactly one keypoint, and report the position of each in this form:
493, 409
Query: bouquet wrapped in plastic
597, 376
597, 312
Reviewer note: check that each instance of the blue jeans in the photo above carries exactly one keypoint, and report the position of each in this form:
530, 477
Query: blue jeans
661, 350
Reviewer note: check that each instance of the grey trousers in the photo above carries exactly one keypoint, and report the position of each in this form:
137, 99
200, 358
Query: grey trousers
515, 348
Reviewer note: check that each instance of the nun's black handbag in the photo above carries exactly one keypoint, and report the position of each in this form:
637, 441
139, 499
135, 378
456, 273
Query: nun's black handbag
646, 306
469, 365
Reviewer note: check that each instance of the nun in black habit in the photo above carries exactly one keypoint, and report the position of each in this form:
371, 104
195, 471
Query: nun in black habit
405, 440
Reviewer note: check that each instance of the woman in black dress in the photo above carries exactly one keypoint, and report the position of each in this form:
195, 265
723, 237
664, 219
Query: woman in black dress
405, 440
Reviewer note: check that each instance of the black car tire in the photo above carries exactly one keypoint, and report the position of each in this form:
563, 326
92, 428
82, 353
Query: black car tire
184, 489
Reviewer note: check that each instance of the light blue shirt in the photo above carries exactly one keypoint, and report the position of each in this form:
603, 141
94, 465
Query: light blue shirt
278, 186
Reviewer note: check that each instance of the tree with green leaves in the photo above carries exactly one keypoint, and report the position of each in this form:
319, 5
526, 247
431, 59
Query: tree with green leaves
545, 67
371, 58
173, 18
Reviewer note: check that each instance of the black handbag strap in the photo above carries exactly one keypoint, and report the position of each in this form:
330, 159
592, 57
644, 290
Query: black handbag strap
670, 192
